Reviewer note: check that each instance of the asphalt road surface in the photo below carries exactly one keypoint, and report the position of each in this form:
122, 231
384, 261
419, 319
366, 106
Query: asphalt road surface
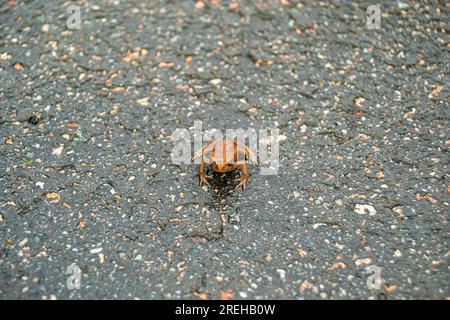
92, 206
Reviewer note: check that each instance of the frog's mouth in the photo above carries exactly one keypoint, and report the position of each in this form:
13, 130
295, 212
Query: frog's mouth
222, 167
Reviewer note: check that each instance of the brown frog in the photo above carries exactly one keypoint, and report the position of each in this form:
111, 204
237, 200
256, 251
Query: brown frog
234, 155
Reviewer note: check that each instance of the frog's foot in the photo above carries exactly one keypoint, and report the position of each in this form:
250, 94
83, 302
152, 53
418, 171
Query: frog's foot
243, 182
244, 177
203, 181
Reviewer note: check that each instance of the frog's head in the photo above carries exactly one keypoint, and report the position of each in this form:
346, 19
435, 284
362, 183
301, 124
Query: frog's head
221, 167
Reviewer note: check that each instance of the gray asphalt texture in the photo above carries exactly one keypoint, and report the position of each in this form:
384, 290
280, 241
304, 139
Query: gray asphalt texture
86, 175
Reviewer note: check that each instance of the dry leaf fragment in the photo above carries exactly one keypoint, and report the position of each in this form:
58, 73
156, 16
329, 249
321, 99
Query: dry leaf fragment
338, 264
131, 55
359, 101
5, 56
65, 205
304, 285
336, 83
118, 89
187, 60
436, 90
426, 197
166, 64
227, 294
52, 197
398, 210
301, 252
328, 176
72, 124
199, 5
101, 257
390, 287
233, 4
379, 174
143, 101
42, 254
200, 295
110, 78
58, 151
19, 66
81, 224
310, 29
359, 262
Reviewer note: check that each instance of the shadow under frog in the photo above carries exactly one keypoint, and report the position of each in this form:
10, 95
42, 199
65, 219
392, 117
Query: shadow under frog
222, 189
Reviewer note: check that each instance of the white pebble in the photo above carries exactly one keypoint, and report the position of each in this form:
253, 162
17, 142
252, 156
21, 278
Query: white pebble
365, 208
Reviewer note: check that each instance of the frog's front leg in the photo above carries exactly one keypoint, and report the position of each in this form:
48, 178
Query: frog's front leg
244, 177
201, 173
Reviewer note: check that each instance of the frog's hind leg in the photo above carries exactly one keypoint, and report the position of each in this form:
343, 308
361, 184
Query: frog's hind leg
206, 149
243, 153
